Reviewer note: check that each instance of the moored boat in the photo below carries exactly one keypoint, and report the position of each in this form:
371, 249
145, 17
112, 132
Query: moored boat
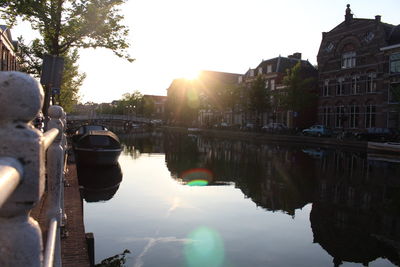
97, 147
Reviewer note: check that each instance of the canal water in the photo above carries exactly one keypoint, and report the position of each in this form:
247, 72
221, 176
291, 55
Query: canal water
184, 200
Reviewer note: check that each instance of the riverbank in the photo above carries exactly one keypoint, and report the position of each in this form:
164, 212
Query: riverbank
265, 137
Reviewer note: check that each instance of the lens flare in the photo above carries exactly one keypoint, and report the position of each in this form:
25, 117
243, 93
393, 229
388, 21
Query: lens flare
197, 177
206, 248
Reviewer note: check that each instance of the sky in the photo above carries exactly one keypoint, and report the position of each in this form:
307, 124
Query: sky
177, 38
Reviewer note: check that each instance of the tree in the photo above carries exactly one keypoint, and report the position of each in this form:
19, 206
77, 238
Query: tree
300, 94
229, 97
65, 25
259, 98
31, 62
68, 23
300, 91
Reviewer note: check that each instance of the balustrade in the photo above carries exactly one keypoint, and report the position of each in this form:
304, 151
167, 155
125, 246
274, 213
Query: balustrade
22, 173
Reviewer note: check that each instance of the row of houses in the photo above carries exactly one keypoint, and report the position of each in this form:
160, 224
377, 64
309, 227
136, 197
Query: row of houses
358, 79
8, 48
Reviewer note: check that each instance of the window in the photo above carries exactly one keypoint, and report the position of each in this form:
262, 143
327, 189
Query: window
266, 83
259, 71
348, 60
394, 93
354, 116
340, 86
251, 73
370, 116
326, 116
339, 116
395, 63
355, 85
325, 90
371, 82
240, 79
272, 85
269, 68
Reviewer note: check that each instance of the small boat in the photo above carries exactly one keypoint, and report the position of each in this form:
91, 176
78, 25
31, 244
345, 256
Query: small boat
97, 147
389, 147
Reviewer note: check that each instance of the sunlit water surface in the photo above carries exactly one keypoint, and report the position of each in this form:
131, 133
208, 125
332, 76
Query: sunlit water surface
164, 221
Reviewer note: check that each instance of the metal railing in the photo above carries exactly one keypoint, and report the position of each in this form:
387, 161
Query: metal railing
96, 116
26, 157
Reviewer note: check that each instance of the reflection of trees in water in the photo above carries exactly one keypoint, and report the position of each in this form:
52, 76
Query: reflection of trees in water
145, 142
274, 177
118, 260
181, 153
355, 215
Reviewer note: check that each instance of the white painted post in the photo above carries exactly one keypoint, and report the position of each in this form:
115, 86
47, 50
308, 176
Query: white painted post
21, 97
55, 173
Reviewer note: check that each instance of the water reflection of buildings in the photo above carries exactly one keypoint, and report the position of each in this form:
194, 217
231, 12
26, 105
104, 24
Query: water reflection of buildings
356, 201
275, 178
144, 142
355, 214
99, 183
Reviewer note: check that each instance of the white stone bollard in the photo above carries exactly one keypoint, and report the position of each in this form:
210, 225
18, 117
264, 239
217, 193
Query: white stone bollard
55, 174
21, 97
55, 161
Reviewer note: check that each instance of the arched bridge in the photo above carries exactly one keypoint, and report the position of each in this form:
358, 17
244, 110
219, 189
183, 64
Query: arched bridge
110, 120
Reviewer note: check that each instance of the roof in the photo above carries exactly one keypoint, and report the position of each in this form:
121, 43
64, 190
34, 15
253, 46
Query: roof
394, 36
281, 64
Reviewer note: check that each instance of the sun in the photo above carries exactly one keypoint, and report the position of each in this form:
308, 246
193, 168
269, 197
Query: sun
190, 74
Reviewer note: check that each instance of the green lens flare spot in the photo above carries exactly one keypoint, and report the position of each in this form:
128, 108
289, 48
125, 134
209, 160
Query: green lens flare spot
197, 183
205, 249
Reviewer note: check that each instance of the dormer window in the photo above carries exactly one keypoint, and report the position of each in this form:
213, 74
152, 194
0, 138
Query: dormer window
259, 71
251, 73
348, 60
240, 79
269, 68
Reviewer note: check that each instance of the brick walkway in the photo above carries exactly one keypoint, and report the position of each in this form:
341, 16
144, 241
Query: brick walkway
74, 250
74, 246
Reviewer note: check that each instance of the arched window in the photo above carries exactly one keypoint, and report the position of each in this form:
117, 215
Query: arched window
340, 115
354, 115
355, 84
326, 114
370, 115
370, 82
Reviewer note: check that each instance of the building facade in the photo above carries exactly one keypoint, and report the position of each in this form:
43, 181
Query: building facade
273, 71
358, 65
8, 48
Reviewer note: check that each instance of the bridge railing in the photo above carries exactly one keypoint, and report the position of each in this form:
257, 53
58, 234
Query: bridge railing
23, 169
96, 116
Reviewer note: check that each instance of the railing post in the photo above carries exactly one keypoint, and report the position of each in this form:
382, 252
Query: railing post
21, 97
55, 174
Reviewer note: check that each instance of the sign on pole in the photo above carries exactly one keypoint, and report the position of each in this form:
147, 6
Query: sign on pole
52, 70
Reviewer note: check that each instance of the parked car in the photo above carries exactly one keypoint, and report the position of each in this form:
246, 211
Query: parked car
247, 127
381, 134
317, 130
274, 127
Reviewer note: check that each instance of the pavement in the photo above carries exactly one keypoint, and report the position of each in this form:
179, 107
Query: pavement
74, 248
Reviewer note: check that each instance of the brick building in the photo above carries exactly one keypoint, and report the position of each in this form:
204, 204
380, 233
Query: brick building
358, 63
8, 48
273, 72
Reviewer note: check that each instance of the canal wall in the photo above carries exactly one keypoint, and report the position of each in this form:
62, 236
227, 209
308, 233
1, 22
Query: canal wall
328, 142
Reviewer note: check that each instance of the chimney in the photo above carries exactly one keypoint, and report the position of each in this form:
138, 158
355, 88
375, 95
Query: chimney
349, 16
323, 35
296, 55
377, 18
